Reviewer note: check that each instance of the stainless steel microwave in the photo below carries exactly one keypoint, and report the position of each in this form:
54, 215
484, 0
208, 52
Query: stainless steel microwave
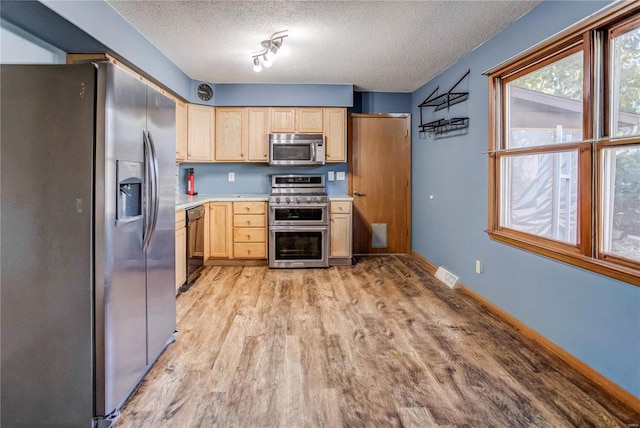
296, 149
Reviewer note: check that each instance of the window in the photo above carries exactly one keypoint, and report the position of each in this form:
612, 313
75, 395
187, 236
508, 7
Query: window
564, 155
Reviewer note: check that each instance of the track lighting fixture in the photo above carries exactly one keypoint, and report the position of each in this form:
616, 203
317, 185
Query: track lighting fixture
270, 48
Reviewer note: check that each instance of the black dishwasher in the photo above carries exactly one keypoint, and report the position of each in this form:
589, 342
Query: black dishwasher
195, 244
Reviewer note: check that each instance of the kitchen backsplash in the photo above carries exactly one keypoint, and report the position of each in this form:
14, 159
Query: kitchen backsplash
213, 178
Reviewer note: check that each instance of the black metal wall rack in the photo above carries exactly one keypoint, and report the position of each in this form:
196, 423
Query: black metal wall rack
446, 100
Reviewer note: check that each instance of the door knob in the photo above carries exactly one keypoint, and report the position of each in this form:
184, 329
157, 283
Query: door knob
355, 192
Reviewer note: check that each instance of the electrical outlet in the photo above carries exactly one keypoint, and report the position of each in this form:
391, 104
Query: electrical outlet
478, 267
340, 176
231, 176
331, 175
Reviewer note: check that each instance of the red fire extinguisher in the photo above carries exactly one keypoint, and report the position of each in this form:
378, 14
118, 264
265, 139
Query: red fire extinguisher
191, 182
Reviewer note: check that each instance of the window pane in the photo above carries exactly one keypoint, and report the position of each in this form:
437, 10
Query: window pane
621, 198
545, 106
626, 84
540, 194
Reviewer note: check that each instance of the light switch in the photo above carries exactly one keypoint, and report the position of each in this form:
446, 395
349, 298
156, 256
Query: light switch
231, 176
331, 175
340, 176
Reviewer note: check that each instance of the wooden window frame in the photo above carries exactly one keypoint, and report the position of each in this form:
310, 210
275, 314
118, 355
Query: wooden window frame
591, 37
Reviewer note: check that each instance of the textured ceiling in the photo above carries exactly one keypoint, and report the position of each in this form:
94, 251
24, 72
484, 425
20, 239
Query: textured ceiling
390, 46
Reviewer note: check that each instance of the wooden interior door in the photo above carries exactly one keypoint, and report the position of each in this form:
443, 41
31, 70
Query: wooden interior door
380, 182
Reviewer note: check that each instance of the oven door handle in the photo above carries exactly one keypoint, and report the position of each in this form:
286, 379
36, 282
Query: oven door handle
299, 228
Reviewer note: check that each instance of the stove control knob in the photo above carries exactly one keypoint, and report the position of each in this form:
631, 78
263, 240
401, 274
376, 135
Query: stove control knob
308, 198
288, 200
298, 199
277, 199
318, 198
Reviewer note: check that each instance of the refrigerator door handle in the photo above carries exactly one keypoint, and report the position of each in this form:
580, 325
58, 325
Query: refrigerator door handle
155, 185
148, 165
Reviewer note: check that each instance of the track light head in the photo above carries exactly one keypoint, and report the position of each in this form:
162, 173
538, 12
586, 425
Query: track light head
257, 67
266, 61
271, 53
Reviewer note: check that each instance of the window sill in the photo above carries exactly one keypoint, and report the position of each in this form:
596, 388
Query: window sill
622, 273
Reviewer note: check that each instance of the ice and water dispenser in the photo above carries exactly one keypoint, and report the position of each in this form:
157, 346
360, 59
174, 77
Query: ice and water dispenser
130, 185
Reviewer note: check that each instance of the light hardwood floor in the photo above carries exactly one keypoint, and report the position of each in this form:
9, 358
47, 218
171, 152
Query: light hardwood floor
381, 343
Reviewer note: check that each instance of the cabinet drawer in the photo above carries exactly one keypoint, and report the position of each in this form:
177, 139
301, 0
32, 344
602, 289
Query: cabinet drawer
180, 219
249, 234
340, 207
250, 250
249, 207
249, 220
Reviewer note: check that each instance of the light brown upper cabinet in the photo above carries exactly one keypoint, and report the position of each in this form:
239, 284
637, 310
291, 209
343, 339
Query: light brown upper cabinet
308, 120
232, 136
300, 120
335, 131
200, 133
283, 119
181, 131
259, 125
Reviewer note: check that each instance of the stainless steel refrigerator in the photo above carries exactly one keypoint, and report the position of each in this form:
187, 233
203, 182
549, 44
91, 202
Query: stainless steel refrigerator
87, 240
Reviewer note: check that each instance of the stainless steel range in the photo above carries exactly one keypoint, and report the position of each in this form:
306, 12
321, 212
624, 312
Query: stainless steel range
298, 222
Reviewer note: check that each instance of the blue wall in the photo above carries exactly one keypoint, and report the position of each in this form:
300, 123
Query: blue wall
211, 178
283, 95
381, 102
595, 318
19, 47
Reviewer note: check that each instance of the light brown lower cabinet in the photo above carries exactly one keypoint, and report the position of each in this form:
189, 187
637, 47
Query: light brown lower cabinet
340, 243
181, 249
237, 230
220, 230
249, 230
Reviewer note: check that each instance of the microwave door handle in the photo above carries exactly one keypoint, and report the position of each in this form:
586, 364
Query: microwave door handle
315, 152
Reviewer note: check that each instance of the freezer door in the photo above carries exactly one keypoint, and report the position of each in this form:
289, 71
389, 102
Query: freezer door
161, 299
46, 262
121, 352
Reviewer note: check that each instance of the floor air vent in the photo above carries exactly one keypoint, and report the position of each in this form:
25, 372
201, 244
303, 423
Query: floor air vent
447, 277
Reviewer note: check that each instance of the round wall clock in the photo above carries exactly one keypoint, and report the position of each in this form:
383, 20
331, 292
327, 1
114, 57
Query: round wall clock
204, 91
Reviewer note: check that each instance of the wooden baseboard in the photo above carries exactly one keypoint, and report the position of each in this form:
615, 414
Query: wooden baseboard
340, 261
236, 262
603, 382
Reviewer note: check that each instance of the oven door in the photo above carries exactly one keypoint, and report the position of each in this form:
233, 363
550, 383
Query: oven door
297, 215
298, 247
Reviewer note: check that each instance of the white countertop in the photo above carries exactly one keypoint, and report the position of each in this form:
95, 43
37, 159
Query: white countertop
186, 201
340, 198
